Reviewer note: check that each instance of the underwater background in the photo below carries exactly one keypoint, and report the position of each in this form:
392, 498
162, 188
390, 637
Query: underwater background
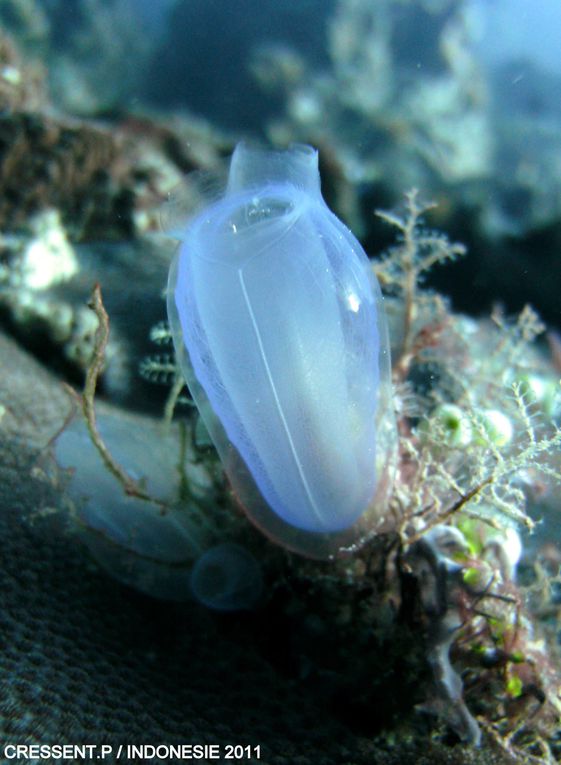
155, 611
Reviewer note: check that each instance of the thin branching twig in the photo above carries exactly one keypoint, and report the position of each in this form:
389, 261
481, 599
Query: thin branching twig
405, 264
87, 401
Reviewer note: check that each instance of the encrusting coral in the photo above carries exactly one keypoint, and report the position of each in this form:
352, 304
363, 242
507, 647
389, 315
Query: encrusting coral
476, 443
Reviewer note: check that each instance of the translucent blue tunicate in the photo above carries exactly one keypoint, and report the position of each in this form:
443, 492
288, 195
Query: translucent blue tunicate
278, 325
134, 539
227, 578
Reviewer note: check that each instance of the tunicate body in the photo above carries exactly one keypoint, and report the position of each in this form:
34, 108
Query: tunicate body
163, 547
134, 539
278, 326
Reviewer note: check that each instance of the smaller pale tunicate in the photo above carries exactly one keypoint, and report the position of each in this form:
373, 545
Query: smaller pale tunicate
135, 540
279, 329
165, 548
227, 578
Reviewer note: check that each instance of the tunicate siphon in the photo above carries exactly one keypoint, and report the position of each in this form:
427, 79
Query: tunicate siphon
279, 329
227, 578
